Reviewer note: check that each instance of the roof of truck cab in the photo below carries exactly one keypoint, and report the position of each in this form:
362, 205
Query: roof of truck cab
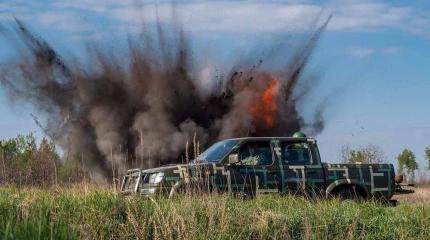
270, 138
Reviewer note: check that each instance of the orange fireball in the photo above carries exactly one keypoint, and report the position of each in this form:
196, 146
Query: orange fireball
263, 109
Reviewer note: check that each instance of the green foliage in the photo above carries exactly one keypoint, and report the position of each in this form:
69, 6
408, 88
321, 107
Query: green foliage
427, 154
364, 154
19, 149
44, 214
407, 161
24, 162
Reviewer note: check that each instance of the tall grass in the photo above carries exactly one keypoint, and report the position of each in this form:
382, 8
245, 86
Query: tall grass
101, 214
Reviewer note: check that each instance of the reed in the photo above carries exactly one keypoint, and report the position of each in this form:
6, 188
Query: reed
86, 211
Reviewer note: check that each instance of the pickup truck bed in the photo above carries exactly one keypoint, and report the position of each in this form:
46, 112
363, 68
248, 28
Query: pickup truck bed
374, 180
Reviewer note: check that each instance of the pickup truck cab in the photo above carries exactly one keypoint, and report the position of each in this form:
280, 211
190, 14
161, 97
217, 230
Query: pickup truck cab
258, 165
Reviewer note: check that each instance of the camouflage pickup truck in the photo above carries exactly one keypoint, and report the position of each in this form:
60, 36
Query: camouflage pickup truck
251, 166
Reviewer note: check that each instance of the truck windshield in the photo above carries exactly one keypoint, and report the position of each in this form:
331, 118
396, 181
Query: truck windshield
217, 151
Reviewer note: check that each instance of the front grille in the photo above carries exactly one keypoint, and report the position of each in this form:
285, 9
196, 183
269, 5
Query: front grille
130, 183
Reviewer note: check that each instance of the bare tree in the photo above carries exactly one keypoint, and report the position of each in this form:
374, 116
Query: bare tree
364, 154
427, 155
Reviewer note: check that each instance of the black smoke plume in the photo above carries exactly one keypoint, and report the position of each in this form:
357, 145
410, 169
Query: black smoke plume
150, 102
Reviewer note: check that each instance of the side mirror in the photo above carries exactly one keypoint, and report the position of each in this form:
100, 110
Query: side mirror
233, 158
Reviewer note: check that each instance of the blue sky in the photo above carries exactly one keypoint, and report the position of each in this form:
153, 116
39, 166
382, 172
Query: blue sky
373, 57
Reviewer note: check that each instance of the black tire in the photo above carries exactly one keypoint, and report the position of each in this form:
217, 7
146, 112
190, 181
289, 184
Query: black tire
349, 193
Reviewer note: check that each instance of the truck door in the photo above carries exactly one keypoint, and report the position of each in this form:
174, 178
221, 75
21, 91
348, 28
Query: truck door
256, 172
302, 169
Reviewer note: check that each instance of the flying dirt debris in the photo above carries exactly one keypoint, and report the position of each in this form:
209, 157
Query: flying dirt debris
151, 103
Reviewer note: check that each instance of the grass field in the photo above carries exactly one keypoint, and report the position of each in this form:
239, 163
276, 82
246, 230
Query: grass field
89, 213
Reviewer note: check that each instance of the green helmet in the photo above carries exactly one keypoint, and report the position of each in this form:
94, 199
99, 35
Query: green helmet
299, 135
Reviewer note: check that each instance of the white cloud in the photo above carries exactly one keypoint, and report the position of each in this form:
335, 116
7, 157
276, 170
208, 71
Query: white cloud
276, 16
352, 15
390, 50
89, 5
356, 15
235, 16
64, 21
362, 15
360, 51
227, 16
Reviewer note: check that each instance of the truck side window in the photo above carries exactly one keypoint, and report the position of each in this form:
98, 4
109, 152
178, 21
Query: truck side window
296, 154
256, 153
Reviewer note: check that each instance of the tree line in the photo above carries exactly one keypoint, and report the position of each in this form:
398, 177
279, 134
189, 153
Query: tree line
25, 162
406, 160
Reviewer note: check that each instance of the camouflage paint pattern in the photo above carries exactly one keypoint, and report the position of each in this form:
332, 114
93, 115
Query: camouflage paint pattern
314, 178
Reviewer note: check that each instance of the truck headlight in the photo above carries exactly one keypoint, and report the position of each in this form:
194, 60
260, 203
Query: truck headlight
156, 177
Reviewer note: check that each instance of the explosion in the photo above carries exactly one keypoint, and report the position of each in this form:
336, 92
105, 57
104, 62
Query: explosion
141, 111
265, 106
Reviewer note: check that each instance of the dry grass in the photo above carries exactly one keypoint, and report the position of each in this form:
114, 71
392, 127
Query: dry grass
421, 195
84, 211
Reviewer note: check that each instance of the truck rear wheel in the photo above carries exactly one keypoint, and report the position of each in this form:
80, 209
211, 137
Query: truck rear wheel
349, 193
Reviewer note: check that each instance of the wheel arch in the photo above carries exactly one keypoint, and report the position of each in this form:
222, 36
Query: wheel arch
346, 183
174, 189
